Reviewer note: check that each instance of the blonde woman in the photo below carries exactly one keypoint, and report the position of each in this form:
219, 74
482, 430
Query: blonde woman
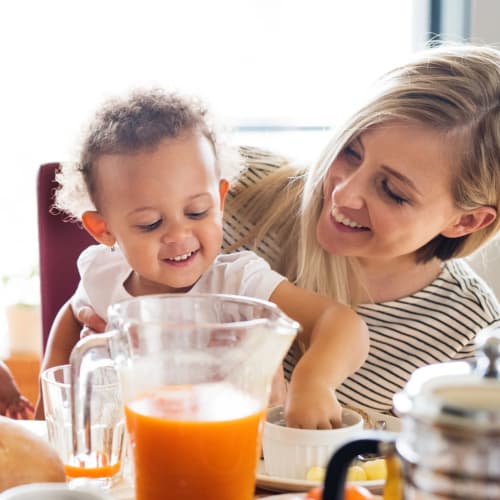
409, 186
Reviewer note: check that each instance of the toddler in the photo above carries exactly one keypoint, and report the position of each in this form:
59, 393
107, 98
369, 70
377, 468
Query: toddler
153, 170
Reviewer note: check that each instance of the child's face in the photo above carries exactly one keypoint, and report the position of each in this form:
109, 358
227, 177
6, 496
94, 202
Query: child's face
164, 208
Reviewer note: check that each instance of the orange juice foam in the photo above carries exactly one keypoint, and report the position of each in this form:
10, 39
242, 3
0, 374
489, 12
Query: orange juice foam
93, 465
195, 442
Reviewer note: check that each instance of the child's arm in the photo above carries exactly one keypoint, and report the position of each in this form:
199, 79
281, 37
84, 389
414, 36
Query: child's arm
64, 334
336, 341
12, 403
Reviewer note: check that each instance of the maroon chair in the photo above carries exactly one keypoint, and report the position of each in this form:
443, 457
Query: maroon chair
60, 244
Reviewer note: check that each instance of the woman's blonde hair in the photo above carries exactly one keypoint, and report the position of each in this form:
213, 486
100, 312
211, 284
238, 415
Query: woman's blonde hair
454, 90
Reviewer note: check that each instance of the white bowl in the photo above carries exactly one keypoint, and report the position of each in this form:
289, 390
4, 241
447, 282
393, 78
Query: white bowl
290, 452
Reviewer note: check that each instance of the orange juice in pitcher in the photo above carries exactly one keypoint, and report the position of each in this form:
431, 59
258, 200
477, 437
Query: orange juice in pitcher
186, 447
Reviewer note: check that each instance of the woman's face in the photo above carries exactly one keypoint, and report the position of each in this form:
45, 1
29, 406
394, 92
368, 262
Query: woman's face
388, 193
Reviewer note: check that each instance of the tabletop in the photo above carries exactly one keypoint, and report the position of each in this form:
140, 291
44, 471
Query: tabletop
123, 489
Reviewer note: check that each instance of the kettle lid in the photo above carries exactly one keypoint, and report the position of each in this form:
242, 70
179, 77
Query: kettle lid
458, 392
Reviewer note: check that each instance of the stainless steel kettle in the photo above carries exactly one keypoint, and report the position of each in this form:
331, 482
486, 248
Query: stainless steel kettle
449, 445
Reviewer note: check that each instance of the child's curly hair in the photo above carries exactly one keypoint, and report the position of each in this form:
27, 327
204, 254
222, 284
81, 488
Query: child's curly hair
127, 125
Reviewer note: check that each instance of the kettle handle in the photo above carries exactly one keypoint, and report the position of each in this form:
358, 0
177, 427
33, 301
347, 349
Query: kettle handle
338, 465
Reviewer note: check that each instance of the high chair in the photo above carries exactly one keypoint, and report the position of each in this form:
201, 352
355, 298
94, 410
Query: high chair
59, 244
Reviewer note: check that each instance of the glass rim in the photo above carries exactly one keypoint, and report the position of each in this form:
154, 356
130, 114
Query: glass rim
45, 377
281, 318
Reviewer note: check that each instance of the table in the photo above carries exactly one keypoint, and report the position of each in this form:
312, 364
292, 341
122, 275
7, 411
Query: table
124, 489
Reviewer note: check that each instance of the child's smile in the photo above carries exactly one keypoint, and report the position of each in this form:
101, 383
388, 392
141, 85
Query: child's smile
181, 259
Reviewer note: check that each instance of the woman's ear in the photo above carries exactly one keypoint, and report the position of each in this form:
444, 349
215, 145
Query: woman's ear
223, 189
470, 222
96, 226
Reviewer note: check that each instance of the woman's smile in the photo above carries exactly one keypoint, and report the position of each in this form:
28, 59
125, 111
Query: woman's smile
344, 223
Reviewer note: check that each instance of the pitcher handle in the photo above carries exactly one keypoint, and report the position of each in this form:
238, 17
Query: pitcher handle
375, 442
81, 384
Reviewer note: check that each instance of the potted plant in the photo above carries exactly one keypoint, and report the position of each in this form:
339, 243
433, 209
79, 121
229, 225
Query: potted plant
22, 310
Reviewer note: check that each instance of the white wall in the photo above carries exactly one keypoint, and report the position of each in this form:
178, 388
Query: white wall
485, 21
486, 262
485, 28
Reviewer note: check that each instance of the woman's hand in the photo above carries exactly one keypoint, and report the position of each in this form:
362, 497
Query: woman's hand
92, 323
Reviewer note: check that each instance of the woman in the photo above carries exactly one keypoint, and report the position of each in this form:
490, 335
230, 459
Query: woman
409, 185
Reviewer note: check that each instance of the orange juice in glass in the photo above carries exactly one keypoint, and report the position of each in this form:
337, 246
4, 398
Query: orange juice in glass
102, 460
94, 465
195, 373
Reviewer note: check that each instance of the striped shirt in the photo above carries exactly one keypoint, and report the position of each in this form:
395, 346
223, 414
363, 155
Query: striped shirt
436, 324
259, 164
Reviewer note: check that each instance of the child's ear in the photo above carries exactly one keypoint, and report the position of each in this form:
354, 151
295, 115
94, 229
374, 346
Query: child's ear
470, 222
223, 189
96, 226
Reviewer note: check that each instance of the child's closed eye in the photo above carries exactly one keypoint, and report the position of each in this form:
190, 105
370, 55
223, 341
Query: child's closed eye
150, 227
196, 215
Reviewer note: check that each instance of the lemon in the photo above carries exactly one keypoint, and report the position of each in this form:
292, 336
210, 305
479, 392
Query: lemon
356, 473
316, 474
375, 469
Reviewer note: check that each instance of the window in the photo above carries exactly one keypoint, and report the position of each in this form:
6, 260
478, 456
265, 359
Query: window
264, 67
259, 63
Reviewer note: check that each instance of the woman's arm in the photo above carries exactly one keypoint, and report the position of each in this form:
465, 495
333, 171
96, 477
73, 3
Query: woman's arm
64, 334
336, 341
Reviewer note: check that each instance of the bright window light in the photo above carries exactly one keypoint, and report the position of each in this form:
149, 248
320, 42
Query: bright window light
258, 63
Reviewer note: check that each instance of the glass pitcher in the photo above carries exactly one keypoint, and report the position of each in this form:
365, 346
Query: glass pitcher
195, 373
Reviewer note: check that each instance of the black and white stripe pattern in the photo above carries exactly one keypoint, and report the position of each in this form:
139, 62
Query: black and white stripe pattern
436, 324
259, 164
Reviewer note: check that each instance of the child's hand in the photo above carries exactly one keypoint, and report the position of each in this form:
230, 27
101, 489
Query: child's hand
314, 406
12, 404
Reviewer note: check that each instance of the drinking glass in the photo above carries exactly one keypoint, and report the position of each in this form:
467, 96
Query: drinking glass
105, 430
